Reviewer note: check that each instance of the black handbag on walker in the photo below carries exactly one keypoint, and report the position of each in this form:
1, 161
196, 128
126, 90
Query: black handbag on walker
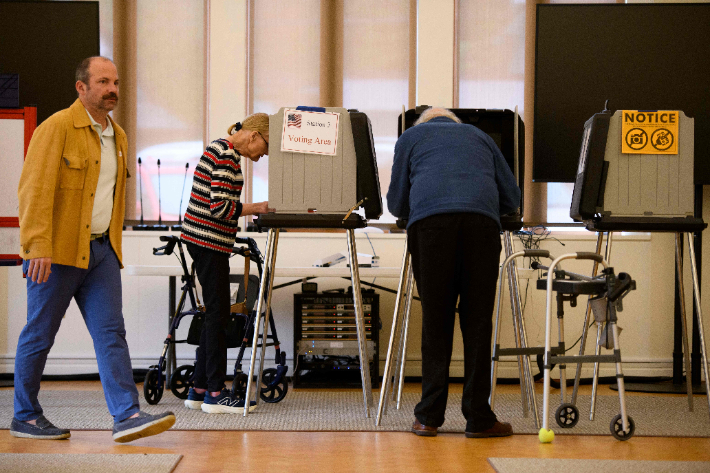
237, 314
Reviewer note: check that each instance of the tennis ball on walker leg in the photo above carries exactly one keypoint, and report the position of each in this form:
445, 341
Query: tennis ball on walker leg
546, 436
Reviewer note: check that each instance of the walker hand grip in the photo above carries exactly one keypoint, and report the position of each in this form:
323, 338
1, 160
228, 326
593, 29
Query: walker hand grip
536, 253
624, 283
167, 249
590, 255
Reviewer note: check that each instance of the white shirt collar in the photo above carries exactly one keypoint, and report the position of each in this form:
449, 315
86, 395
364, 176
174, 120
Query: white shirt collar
109, 129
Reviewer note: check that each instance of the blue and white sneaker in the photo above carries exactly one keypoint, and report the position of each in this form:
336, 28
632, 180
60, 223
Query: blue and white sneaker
225, 404
194, 399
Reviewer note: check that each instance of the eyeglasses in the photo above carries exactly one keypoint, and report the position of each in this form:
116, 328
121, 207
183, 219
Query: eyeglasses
267, 143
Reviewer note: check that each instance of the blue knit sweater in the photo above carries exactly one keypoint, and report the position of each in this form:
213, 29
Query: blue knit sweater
444, 167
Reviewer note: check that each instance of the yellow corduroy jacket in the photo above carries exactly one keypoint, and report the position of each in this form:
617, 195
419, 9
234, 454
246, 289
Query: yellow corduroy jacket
57, 187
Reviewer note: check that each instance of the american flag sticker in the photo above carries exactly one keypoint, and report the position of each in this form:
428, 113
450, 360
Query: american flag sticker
294, 120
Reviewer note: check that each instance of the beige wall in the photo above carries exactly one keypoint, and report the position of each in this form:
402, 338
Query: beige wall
227, 65
435, 53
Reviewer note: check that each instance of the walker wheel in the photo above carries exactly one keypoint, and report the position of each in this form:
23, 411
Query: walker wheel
152, 390
617, 430
567, 415
181, 381
275, 393
239, 385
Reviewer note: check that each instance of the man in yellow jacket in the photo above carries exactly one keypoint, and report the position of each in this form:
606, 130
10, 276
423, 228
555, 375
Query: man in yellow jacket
72, 199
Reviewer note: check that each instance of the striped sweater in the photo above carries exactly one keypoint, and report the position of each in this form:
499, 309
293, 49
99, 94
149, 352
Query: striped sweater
211, 216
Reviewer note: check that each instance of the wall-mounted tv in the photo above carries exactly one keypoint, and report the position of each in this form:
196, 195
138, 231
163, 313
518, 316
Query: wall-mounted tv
636, 56
43, 42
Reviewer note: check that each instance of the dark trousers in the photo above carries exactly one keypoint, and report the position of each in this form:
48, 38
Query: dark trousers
456, 256
212, 268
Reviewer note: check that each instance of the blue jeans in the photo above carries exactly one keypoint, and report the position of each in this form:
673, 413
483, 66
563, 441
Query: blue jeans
98, 293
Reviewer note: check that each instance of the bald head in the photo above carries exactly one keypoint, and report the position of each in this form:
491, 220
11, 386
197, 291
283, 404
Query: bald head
434, 112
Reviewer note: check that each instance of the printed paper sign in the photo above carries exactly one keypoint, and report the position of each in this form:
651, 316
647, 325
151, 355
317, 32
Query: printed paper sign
649, 132
310, 132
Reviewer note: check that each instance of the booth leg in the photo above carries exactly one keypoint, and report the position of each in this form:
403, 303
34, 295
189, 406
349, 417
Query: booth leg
585, 329
496, 335
267, 315
269, 260
360, 322
405, 333
396, 320
530, 382
400, 341
681, 292
701, 329
515, 310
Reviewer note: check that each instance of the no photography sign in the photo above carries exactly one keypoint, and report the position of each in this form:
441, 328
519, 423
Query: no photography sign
649, 132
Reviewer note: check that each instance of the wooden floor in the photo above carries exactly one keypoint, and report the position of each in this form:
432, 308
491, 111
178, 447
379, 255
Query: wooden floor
357, 451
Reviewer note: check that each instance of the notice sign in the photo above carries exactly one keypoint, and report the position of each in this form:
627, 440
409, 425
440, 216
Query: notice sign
310, 132
649, 132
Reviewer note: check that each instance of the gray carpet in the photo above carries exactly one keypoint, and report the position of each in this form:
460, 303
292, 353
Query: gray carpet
344, 411
526, 465
87, 463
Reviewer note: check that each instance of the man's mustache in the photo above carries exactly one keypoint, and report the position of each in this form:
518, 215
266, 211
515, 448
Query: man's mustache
110, 96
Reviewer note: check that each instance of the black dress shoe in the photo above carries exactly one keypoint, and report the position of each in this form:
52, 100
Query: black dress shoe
499, 429
423, 430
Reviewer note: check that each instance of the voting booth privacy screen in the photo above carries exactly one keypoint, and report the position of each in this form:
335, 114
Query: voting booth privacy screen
44, 42
322, 161
505, 127
636, 56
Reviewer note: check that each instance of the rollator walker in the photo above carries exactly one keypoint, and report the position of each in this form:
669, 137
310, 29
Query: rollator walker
240, 329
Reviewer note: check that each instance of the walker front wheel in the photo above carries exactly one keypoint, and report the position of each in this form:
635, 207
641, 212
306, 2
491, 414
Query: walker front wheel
239, 385
152, 389
181, 381
617, 429
273, 393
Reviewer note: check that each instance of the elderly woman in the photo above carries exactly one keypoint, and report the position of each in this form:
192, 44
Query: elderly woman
452, 183
209, 230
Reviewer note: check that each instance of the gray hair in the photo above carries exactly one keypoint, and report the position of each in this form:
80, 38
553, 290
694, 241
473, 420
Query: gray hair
82, 70
433, 112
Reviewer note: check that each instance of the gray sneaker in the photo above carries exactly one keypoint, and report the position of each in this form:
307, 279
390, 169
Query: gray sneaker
43, 430
144, 425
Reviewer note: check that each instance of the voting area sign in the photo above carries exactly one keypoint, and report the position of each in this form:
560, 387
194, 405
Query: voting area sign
310, 132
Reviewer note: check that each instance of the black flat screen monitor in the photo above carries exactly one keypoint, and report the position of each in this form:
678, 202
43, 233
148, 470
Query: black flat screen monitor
44, 42
638, 57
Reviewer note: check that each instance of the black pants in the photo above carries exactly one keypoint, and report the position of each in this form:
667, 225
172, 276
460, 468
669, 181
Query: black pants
212, 268
456, 256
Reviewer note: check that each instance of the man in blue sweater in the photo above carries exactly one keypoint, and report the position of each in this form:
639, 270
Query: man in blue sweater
452, 184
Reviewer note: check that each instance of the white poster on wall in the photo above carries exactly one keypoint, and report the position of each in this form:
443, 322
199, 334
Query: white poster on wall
310, 132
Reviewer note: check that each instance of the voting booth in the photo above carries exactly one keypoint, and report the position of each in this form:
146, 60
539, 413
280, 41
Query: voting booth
322, 165
322, 168
636, 167
635, 173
